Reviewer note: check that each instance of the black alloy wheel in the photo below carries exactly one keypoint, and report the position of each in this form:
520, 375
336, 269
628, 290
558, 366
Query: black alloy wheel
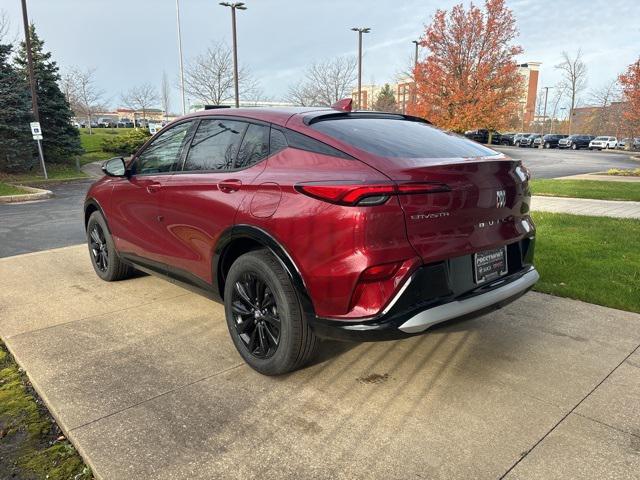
264, 315
98, 246
255, 315
104, 257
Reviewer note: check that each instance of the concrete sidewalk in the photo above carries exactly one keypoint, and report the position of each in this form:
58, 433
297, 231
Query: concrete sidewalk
584, 206
144, 379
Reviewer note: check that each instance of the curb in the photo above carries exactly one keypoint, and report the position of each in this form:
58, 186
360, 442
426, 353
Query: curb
34, 194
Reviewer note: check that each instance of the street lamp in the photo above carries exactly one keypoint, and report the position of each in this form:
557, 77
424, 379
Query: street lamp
235, 6
184, 108
415, 69
360, 31
544, 113
415, 58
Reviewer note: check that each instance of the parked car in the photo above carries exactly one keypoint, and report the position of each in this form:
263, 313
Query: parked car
124, 123
518, 137
507, 138
258, 219
605, 142
575, 142
552, 140
482, 136
529, 140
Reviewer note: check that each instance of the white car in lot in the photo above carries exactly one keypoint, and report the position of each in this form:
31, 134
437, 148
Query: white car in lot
603, 142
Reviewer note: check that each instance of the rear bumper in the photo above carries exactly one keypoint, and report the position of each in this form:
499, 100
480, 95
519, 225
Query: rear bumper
434, 294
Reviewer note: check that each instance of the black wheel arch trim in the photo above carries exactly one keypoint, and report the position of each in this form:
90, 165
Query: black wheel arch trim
94, 203
262, 237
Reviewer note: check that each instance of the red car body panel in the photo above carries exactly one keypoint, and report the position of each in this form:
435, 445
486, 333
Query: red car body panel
177, 220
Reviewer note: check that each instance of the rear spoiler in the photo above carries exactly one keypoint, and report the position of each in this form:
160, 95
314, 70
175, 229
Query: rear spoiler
323, 115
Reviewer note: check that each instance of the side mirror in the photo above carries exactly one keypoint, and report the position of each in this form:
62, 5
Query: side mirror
115, 167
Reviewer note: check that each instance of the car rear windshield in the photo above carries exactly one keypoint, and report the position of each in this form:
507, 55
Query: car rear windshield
400, 138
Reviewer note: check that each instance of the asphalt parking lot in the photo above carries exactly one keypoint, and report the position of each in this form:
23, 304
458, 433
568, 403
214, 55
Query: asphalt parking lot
145, 381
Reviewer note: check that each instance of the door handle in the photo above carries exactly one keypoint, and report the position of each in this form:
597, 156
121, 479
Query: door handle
153, 187
229, 186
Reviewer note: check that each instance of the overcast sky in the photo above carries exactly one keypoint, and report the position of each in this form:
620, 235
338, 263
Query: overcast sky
133, 41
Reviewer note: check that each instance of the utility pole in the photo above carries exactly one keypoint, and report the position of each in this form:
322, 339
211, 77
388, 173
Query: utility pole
523, 104
234, 6
360, 31
32, 82
184, 103
544, 112
414, 94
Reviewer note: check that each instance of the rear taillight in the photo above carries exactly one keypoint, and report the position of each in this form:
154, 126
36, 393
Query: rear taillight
366, 194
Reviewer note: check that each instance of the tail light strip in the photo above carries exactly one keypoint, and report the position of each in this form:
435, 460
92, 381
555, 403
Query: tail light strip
366, 194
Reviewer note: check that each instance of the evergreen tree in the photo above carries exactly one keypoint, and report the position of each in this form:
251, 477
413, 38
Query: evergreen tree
386, 101
16, 145
61, 139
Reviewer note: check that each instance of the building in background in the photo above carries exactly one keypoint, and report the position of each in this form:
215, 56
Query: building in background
607, 120
530, 72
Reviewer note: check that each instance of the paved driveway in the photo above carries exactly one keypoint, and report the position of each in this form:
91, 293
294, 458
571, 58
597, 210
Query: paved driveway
144, 379
554, 163
33, 226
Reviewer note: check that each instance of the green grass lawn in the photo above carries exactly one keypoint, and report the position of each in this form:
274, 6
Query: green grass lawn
6, 190
92, 144
593, 259
31, 444
56, 172
600, 190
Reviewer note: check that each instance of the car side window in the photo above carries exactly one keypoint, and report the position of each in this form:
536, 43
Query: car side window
255, 146
163, 153
215, 145
277, 141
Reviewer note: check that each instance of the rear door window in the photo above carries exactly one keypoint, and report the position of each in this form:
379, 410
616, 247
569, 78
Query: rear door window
254, 147
215, 145
400, 138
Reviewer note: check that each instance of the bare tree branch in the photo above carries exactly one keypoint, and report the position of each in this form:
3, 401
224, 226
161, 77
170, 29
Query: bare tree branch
4, 24
142, 97
325, 82
603, 119
574, 72
209, 77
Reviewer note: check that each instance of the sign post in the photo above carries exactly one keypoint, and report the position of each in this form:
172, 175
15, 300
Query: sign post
36, 131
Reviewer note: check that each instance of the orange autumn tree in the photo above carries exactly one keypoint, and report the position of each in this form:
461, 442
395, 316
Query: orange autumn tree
469, 78
630, 82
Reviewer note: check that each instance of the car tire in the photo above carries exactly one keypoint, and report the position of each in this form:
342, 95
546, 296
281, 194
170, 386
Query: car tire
547, 145
270, 333
574, 146
104, 257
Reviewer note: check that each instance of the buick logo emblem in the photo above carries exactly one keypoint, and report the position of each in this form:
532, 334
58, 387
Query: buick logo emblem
501, 198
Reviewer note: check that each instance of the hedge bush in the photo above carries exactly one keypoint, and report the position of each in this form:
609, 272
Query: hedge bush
126, 144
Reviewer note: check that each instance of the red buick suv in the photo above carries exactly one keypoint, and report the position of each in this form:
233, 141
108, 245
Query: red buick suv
317, 223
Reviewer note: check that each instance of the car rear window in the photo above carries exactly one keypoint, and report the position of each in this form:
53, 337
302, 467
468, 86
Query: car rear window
395, 137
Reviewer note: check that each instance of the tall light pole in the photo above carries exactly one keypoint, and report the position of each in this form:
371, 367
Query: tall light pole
32, 81
523, 104
414, 96
360, 31
234, 6
184, 105
544, 112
